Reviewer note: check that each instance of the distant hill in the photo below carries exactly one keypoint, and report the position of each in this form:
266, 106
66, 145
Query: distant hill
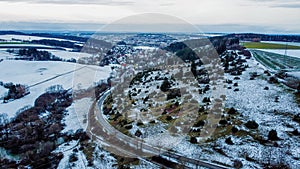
265, 37
90, 44
11, 33
47, 35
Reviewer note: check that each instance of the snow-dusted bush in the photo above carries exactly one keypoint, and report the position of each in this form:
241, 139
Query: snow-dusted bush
54, 89
4, 119
23, 109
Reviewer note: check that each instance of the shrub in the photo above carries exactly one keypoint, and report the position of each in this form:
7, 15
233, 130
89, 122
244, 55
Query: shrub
166, 85
251, 125
232, 111
229, 141
73, 158
273, 135
234, 129
223, 122
193, 140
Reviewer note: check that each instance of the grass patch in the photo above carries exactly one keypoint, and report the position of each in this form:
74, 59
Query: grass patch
260, 45
88, 150
126, 162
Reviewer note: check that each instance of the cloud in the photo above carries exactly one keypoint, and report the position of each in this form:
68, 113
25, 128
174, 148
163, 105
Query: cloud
97, 2
296, 5
277, 3
240, 28
219, 28
167, 4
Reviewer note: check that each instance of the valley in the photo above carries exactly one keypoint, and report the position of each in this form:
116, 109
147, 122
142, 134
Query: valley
147, 101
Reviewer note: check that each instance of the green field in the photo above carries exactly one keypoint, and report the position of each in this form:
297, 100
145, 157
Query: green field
260, 45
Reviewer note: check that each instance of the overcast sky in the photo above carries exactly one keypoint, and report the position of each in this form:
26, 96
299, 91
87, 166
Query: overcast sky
247, 15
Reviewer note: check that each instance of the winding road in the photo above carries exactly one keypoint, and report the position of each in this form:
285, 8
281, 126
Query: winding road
116, 142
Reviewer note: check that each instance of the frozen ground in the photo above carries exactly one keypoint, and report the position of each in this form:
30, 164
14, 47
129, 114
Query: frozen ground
5, 55
145, 47
294, 53
294, 74
26, 45
69, 55
254, 103
102, 159
16, 46
259, 100
77, 115
284, 43
41, 75
251, 101
3, 92
27, 38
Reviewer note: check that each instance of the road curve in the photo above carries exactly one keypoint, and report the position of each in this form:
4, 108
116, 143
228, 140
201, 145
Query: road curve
118, 143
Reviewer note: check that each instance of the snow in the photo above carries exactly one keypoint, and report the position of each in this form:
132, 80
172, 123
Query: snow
3, 92
251, 101
66, 55
45, 114
210, 34
26, 45
102, 159
259, 100
164, 140
283, 43
41, 75
254, 103
4, 154
66, 149
27, 38
69, 55
77, 115
5, 55
145, 164
7, 46
145, 47
294, 74
291, 52
71, 120
200, 152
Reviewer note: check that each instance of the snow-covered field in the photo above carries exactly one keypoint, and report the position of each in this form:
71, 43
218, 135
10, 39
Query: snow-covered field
103, 159
5, 55
66, 55
69, 55
294, 53
145, 47
251, 101
294, 74
3, 91
25, 45
283, 43
259, 100
8, 46
41, 75
27, 38
254, 103
77, 115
